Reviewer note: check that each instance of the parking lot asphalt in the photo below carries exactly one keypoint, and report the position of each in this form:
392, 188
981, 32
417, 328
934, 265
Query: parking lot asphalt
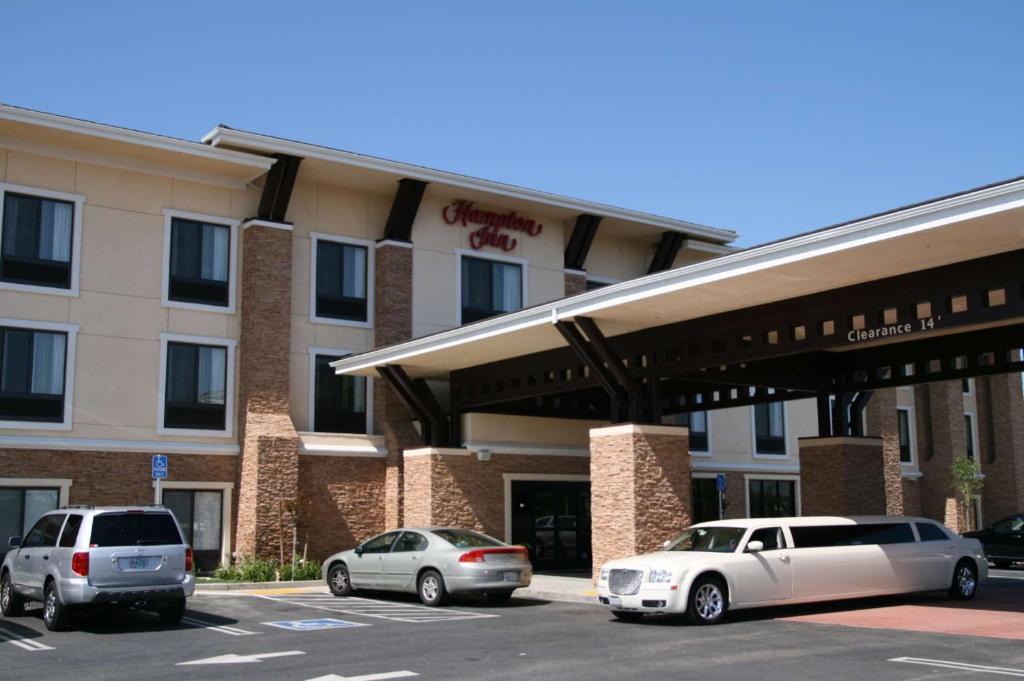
380, 636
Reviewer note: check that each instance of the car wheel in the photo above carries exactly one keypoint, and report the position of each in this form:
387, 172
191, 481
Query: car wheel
11, 604
173, 611
431, 589
55, 613
707, 602
338, 581
499, 596
965, 581
627, 616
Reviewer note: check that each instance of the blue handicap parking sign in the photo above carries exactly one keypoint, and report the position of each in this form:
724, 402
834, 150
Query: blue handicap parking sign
720, 482
159, 466
314, 625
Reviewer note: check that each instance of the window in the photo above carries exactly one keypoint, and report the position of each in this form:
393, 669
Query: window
906, 443
134, 529
969, 431
929, 532
704, 500
199, 512
771, 537
38, 241
770, 429
771, 498
1009, 525
341, 280
466, 539
20, 508
697, 422
200, 262
968, 386
32, 366
380, 544
69, 535
852, 535
44, 532
489, 287
410, 541
339, 402
196, 385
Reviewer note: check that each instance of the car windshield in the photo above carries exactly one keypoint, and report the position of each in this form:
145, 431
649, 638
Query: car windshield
717, 539
464, 539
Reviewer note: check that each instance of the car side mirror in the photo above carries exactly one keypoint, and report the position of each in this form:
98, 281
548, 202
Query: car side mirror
359, 551
755, 546
14, 542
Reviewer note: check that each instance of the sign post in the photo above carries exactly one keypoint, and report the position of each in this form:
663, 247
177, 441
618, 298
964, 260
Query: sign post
720, 486
159, 473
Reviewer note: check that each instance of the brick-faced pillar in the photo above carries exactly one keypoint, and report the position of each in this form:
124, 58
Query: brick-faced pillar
439, 490
842, 476
1001, 426
269, 470
942, 437
639, 488
392, 323
575, 282
882, 421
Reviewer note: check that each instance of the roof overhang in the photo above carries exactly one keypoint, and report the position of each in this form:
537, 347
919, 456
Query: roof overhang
48, 134
376, 174
970, 225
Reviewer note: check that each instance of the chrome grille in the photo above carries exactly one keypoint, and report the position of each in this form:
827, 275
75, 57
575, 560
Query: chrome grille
625, 582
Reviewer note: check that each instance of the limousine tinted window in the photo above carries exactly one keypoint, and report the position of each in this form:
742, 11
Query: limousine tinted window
851, 535
717, 539
771, 537
931, 532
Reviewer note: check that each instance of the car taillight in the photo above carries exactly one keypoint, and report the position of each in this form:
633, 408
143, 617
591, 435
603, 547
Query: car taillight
80, 563
188, 560
480, 555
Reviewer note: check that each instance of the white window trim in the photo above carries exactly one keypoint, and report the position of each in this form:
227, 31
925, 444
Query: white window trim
974, 438
76, 237
311, 398
69, 373
165, 284
371, 250
64, 484
226, 488
509, 478
786, 436
759, 476
461, 253
909, 466
229, 386
970, 387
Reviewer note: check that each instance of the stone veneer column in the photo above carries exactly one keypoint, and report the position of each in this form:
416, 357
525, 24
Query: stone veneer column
435, 489
639, 488
1001, 426
392, 323
269, 469
575, 282
842, 476
882, 421
941, 438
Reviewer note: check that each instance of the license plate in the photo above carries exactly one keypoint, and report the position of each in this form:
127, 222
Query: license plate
510, 576
141, 563
615, 601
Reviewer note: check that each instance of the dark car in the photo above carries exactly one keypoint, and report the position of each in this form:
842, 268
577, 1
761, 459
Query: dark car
1003, 541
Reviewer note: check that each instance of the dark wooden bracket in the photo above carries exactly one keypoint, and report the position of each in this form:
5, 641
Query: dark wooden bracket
417, 396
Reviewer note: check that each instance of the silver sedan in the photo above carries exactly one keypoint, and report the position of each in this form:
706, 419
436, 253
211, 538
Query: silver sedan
432, 562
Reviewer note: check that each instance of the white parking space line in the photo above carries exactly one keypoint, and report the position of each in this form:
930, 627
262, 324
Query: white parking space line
961, 666
23, 643
222, 628
396, 612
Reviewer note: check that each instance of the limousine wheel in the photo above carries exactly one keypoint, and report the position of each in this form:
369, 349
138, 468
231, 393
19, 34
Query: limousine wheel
338, 581
707, 601
965, 581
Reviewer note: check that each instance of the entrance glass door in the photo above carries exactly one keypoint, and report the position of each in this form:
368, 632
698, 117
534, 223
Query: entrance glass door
552, 519
199, 512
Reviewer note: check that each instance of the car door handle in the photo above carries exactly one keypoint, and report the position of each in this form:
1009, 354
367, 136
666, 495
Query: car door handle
26, 556
46, 558
784, 559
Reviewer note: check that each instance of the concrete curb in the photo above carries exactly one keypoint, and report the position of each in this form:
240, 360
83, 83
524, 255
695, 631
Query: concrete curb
255, 586
555, 596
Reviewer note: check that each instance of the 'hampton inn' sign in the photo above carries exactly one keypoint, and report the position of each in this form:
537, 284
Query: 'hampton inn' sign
495, 228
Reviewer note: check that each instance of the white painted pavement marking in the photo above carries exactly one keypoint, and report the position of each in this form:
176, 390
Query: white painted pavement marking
222, 628
233, 658
961, 666
24, 643
396, 612
366, 677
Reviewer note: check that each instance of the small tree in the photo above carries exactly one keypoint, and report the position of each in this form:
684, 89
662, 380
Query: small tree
966, 484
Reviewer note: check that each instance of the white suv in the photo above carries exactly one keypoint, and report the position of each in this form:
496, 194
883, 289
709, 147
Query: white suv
80, 555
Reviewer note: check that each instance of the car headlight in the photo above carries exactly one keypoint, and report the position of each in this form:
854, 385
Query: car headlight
660, 576
604, 574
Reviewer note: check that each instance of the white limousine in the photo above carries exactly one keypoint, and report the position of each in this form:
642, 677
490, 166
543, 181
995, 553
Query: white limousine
734, 564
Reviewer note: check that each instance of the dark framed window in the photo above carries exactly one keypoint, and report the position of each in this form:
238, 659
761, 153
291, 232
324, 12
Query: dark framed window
903, 423
381, 543
20, 508
339, 402
341, 281
410, 542
196, 386
200, 263
200, 514
697, 422
69, 535
45, 531
770, 428
490, 288
969, 430
704, 500
32, 367
772, 498
37, 241
931, 532
815, 536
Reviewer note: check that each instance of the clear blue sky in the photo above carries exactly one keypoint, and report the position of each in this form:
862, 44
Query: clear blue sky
765, 117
